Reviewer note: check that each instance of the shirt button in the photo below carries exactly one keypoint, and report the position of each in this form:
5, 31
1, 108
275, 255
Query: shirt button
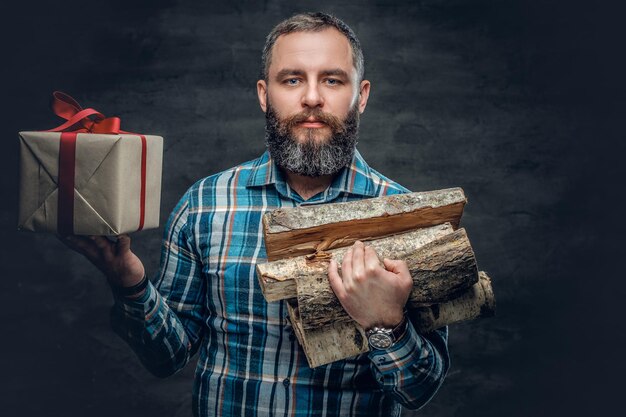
286, 382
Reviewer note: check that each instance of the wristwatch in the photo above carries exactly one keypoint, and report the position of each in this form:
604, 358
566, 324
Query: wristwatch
384, 338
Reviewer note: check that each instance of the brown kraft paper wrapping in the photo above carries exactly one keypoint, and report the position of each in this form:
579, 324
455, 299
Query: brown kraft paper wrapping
107, 182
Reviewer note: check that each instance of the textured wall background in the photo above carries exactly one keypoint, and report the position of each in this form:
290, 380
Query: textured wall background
517, 102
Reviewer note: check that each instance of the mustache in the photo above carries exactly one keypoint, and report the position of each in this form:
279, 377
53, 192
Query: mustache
335, 123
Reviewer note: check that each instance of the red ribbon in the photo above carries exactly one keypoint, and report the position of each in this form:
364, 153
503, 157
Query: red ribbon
65, 210
79, 120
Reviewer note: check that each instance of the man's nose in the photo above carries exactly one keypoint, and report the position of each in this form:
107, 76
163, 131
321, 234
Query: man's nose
312, 96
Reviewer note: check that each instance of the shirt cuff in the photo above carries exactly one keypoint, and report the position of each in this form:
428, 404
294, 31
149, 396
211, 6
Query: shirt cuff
402, 352
141, 308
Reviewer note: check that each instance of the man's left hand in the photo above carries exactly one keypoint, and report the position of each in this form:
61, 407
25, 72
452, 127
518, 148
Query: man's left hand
371, 294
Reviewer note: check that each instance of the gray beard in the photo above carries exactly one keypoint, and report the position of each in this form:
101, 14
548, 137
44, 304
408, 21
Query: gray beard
311, 157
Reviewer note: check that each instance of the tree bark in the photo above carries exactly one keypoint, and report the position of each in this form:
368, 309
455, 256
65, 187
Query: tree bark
441, 271
479, 301
328, 344
441, 262
343, 340
304, 230
278, 279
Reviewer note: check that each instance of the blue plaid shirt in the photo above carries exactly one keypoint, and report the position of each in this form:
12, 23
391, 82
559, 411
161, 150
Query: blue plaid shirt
207, 297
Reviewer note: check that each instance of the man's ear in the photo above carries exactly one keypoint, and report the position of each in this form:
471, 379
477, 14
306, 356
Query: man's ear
364, 93
261, 91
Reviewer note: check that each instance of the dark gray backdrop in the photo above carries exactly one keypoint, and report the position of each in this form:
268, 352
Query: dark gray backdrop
515, 101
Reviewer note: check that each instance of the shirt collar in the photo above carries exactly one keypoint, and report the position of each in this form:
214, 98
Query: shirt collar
263, 171
355, 178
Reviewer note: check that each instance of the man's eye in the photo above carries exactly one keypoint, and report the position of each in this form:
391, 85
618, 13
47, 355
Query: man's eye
332, 81
292, 81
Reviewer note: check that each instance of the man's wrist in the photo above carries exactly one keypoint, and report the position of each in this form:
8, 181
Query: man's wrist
386, 337
390, 321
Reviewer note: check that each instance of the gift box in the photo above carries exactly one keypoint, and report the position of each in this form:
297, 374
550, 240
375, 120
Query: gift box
88, 177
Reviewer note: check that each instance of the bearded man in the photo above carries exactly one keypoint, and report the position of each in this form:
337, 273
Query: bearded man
206, 296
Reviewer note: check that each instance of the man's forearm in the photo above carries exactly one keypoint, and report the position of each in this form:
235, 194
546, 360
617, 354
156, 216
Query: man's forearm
153, 331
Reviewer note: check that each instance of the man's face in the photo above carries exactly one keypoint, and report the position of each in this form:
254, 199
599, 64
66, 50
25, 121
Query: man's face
311, 155
312, 100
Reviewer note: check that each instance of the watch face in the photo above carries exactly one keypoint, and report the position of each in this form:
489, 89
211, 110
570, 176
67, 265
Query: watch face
380, 340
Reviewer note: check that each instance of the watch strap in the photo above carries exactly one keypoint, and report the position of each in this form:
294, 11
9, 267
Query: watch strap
400, 329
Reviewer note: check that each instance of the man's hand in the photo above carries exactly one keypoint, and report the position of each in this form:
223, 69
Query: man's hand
115, 259
371, 294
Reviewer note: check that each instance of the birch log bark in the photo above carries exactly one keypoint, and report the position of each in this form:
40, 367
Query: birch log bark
308, 229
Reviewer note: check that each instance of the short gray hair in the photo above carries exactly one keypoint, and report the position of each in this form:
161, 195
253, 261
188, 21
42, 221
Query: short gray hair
312, 22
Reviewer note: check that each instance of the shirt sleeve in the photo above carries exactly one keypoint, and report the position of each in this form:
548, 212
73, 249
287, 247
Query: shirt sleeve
414, 368
164, 325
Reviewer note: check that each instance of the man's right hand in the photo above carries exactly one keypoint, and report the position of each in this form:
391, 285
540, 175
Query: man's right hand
114, 258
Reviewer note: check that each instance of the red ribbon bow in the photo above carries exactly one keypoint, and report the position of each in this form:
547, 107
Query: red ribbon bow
81, 120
